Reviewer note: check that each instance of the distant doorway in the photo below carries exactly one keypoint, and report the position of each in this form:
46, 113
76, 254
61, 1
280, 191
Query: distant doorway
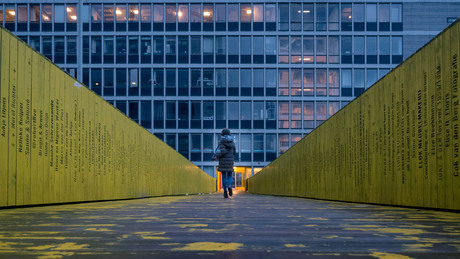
241, 173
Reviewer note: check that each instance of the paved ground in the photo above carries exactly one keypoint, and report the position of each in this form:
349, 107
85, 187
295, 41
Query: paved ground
244, 226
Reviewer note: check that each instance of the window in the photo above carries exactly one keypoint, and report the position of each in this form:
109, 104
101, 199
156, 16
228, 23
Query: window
333, 108
258, 12
333, 17
146, 13
158, 15
121, 13
170, 14
283, 43
284, 142
308, 82
270, 78
296, 50
321, 50
296, 81
270, 46
371, 17
296, 115
270, 13
321, 112
371, 49
384, 17
208, 13
71, 13
233, 13
133, 77
296, 17
333, 80
321, 17
346, 17
308, 49
221, 81
333, 49
396, 13
133, 15
358, 47
309, 115
358, 81
283, 24
396, 49
308, 17
384, 50
108, 13
220, 13
371, 77
47, 14
346, 49
258, 77
22, 13
283, 116
195, 13
34, 14
346, 82
71, 50
245, 13
283, 81
270, 146
258, 145
321, 82
358, 17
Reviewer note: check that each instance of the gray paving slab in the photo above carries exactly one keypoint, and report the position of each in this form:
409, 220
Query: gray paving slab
243, 226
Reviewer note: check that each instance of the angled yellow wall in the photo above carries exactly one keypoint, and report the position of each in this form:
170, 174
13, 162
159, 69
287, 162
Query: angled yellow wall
60, 142
397, 144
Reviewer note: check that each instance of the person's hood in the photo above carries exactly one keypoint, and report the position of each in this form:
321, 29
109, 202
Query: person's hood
227, 140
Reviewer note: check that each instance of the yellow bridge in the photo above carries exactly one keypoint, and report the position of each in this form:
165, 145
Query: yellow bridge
397, 144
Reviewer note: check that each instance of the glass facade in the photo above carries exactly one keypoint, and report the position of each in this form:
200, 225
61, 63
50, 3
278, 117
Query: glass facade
270, 72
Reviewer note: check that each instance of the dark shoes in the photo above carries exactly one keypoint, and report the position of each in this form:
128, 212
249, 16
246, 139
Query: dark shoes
230, 192
225, 194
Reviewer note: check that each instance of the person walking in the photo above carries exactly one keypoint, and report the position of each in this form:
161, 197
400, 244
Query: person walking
225, 153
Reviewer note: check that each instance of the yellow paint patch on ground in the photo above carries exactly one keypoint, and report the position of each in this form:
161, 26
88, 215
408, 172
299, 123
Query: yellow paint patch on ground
317, 218
59, 247
404, 231
54, 255
408, 238
335, 236
151, 218
417, 247
150, 233
190, 225
43, 237
294, 245
389, 256
209, 246
155, 237
292, 216
99, 229
310, 225
6, 245
209, 230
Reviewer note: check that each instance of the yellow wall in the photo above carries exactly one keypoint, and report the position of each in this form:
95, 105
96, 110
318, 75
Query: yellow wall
60, 142
397, 144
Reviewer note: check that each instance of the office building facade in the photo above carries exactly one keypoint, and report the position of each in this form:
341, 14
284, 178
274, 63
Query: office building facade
270, 71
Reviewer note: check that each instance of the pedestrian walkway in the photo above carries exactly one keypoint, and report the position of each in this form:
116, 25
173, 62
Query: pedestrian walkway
243, 226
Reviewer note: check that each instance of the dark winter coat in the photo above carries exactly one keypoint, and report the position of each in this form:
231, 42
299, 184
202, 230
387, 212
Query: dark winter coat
225, 153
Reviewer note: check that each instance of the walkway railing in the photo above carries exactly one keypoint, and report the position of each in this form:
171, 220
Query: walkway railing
60, 142
398, 143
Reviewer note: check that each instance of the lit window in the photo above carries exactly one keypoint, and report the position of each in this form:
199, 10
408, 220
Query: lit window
133, 15
71, 11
